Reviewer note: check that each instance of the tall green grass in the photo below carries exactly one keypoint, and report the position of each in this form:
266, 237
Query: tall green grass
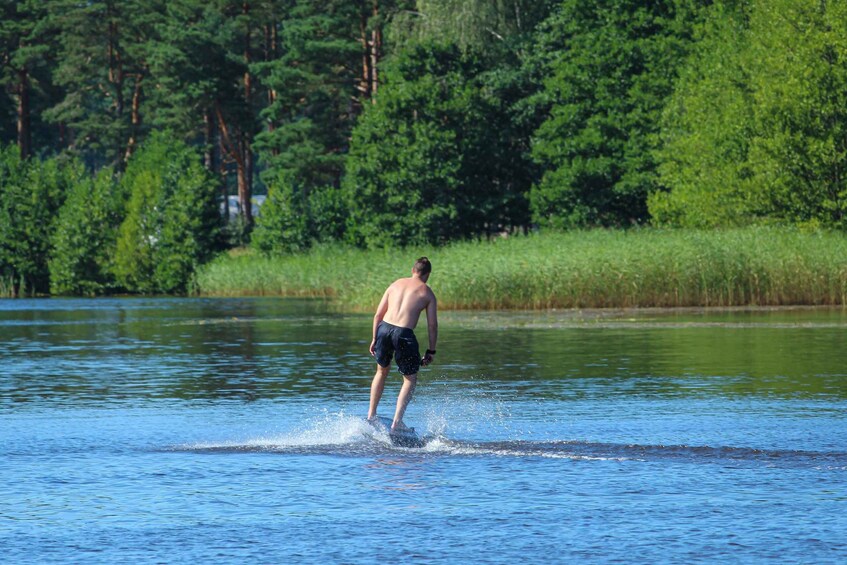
8, 289
583, 269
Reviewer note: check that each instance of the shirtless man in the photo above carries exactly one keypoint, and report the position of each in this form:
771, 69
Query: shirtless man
395, 318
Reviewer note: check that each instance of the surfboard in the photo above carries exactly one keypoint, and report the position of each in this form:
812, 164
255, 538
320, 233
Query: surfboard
405, 438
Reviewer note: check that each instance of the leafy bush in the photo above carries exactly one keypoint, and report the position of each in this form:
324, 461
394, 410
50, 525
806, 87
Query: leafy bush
292, 221
85, 237
31, 193
172, 222
283, 224
706, 131
327, 214
755, 130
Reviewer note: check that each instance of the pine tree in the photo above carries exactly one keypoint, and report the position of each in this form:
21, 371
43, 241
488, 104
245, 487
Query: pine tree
25, 48
314, 82
104, 70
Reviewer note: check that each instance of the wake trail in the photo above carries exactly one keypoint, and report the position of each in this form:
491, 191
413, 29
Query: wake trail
345, 435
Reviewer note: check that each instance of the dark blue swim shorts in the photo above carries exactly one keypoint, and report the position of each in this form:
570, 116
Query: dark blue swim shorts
391, 339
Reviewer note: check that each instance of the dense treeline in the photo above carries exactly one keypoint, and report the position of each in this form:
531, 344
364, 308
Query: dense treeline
384, 123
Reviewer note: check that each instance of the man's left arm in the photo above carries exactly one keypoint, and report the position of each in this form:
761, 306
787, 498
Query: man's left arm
432, 330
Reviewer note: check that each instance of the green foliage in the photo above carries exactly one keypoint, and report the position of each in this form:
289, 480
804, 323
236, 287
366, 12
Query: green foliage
13, 173
31, 193
470, 24
85, 237
292, 220
327, 214
706, 130
283, 225
465, 119
433, 159
27, 44
193, 66
798, 63
171, 222
236, 233
756, 129
607, 86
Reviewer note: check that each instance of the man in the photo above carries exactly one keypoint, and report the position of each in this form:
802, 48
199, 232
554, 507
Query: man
394, 322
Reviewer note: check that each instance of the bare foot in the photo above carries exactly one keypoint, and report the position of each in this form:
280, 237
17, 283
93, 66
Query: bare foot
400, 427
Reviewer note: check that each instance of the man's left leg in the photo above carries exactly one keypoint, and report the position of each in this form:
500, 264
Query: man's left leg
406, 391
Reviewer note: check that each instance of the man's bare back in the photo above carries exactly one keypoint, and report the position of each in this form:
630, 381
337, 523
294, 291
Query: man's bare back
406, 299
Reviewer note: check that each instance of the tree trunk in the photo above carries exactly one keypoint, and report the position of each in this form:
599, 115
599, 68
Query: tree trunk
116, 80
248, 79
245, 176
365, 83
244, 193
24, 123
209, 141
236, 150
270, 54
376, 51
135, 120
209, 160
248, 163
223, 174
116, 70
371, 50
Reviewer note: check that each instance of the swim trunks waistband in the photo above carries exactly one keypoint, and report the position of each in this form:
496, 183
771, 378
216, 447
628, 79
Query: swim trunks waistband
393, 326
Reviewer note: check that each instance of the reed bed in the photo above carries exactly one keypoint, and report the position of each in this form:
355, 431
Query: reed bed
8, 288
762, 266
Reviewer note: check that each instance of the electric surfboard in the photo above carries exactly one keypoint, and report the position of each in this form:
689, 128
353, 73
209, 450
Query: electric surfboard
401, 438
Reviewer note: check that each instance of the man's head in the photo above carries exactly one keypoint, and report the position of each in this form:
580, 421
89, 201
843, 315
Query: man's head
422, 268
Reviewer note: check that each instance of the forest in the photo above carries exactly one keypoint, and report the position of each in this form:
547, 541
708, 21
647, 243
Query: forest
125, 125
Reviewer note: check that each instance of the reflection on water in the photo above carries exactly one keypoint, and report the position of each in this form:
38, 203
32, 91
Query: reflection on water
90, 351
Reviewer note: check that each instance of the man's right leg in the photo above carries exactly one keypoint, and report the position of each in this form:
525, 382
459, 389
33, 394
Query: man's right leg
406, 391
377, 386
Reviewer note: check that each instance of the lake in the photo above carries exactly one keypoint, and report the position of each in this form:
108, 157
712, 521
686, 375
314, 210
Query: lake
195, 430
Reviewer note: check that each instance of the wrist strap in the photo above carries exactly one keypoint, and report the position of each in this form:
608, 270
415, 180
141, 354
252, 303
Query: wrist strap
430, 352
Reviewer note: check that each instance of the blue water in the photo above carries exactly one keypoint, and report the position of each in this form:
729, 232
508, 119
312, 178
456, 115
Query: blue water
179, 430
